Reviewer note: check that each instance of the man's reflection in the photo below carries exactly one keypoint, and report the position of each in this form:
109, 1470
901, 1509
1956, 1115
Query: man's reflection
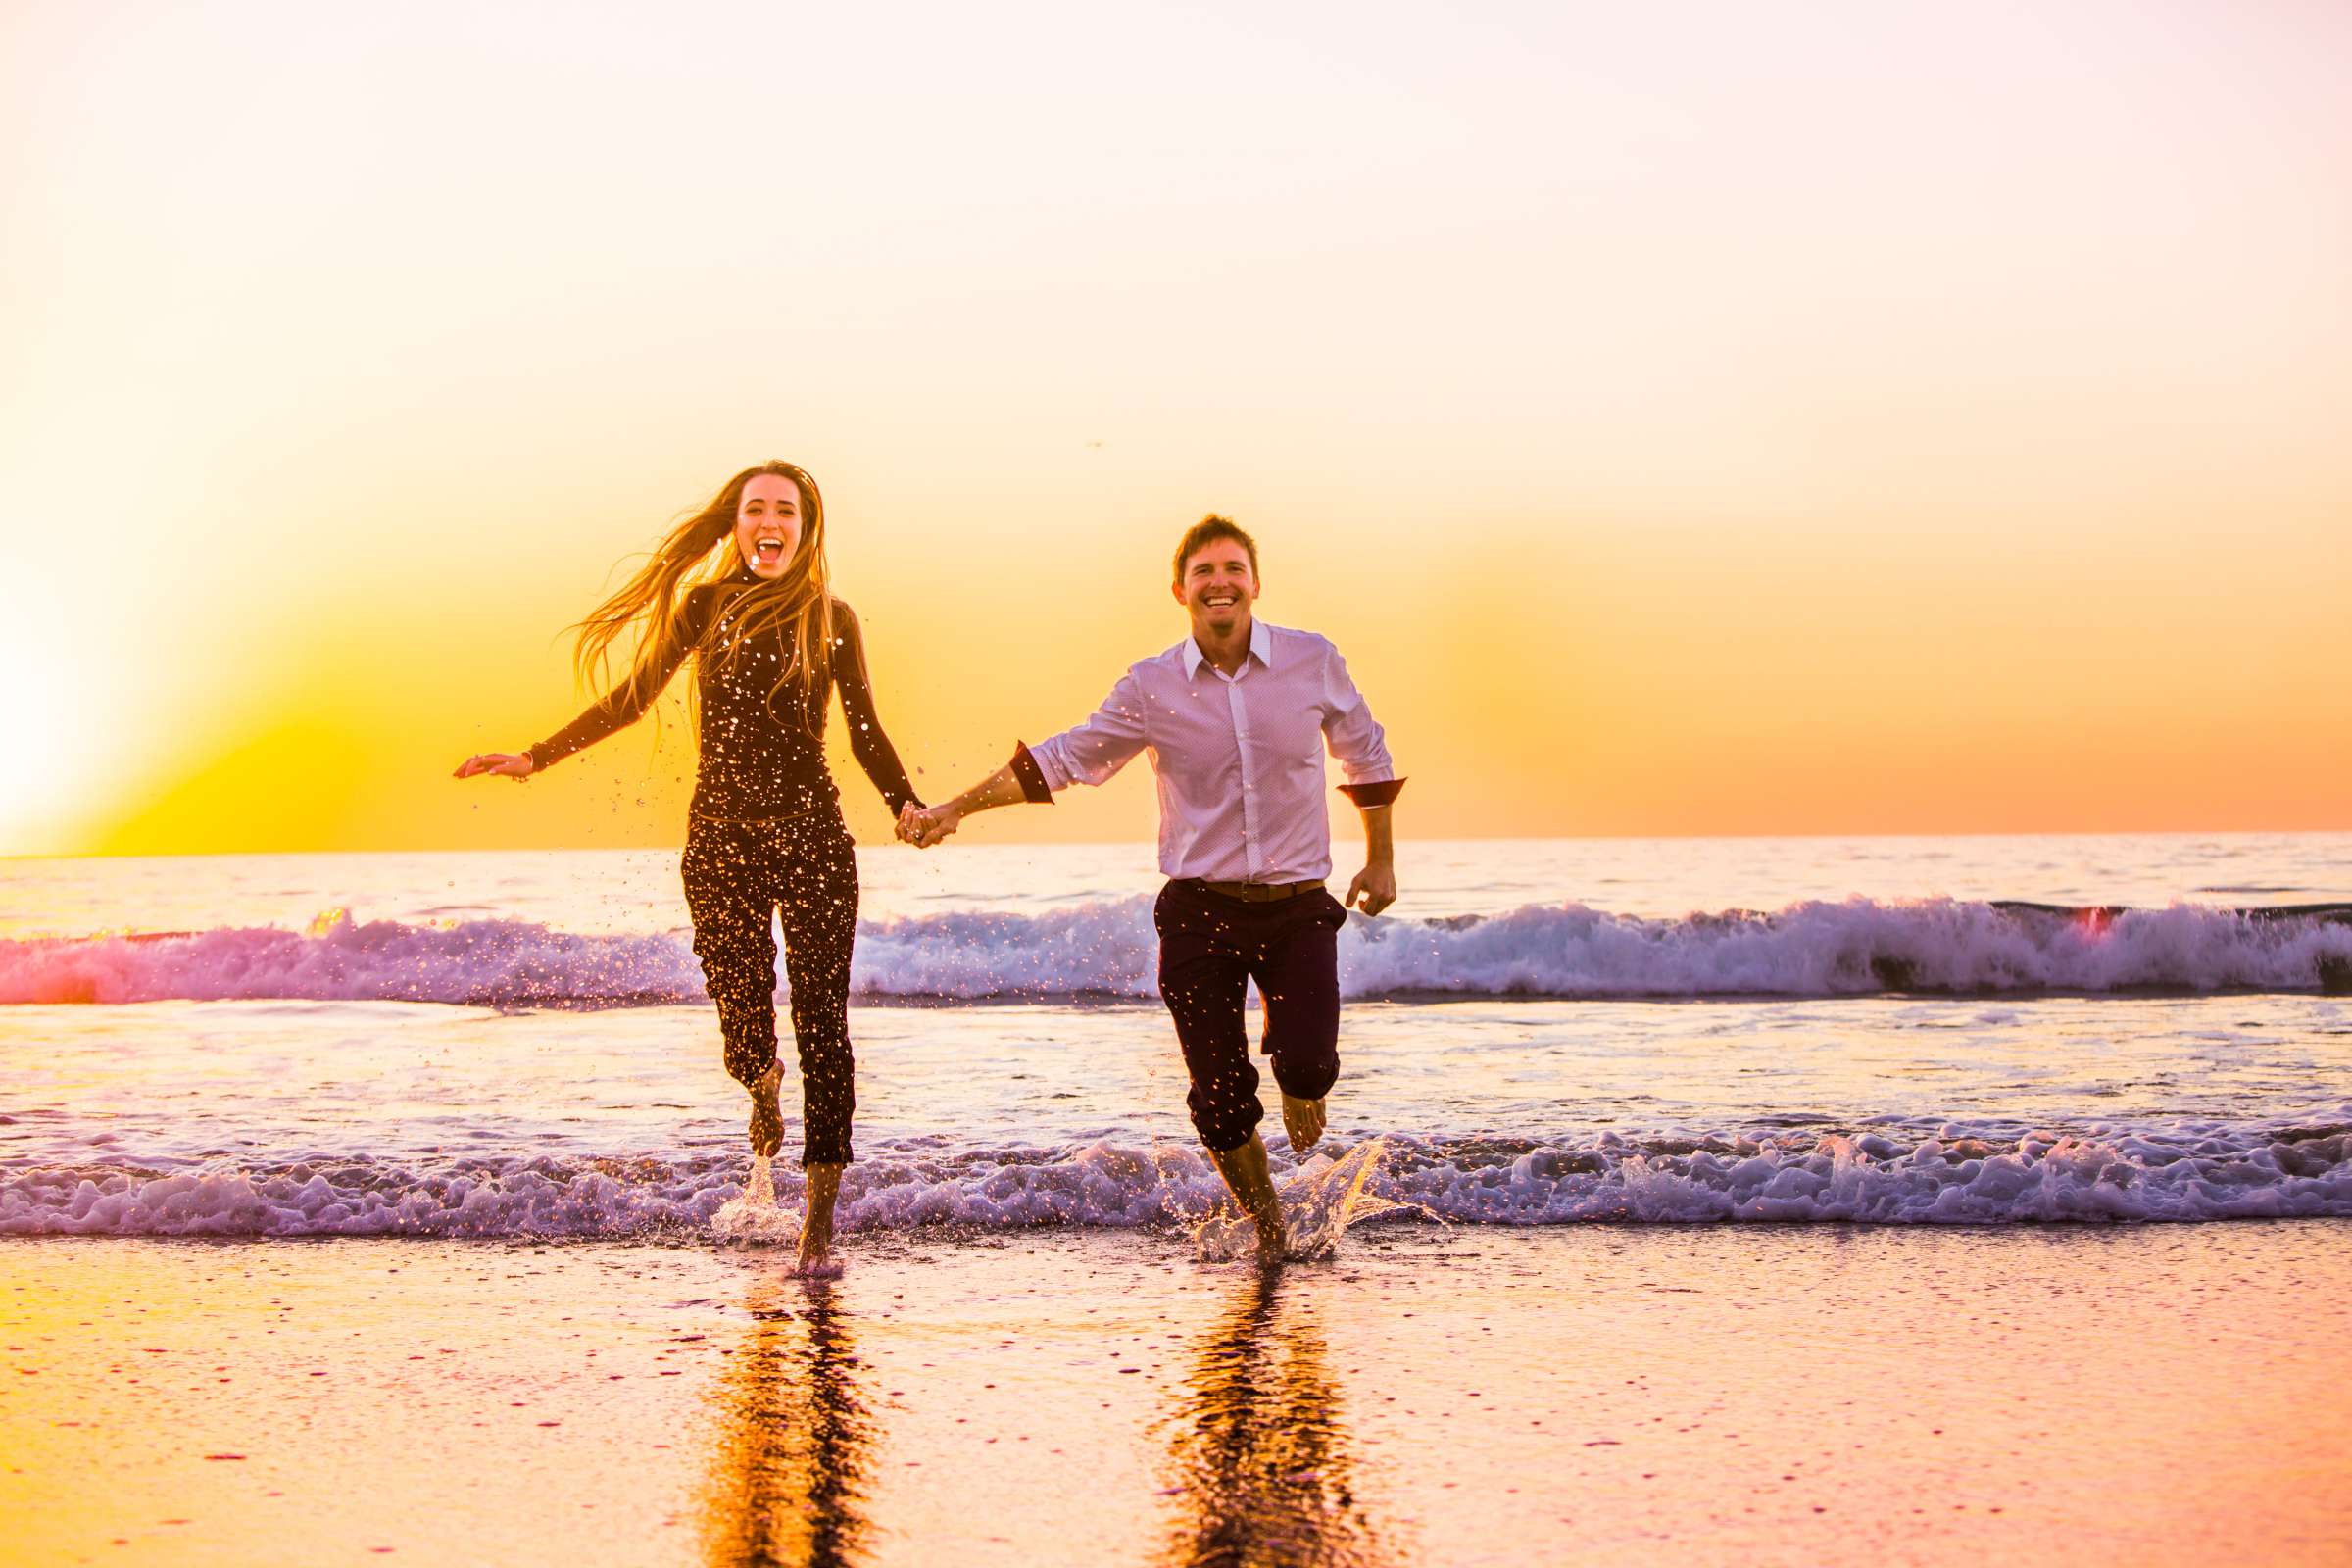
795, 1442
1258, 1443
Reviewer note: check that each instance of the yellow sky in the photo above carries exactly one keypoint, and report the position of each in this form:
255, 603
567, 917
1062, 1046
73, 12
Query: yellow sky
1687, 418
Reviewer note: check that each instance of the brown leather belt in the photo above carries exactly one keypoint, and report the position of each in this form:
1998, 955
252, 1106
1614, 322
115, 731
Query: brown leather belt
1256, 891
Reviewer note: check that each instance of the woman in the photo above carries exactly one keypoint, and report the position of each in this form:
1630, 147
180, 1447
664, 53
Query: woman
742, 586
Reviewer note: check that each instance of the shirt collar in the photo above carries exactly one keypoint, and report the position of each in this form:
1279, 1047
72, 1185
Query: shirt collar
1262, 648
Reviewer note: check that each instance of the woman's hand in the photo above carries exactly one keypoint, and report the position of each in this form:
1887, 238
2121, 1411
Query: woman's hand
505, 765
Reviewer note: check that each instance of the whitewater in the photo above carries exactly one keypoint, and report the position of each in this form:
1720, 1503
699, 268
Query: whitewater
1961, 1032
1107, 949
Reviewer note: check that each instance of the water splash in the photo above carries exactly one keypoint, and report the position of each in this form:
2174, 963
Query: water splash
1321, 1204
1320, 1199
754, 1218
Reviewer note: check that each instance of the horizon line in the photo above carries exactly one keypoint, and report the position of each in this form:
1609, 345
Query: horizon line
1150, 845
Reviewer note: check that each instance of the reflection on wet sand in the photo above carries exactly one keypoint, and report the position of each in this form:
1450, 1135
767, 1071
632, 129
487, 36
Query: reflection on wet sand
1258, 1444
794, 1450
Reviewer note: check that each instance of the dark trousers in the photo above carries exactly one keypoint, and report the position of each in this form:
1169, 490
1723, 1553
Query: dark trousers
738, 876
1209, 945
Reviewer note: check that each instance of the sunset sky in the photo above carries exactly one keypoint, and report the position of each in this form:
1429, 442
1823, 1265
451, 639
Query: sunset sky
1687, 418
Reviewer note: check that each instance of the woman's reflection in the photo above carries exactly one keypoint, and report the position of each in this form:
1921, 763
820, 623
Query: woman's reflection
1258, 1443
795, 1444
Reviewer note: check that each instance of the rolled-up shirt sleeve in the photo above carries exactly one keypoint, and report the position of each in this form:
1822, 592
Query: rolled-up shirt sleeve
1356, 739
1092, 752
1030, 777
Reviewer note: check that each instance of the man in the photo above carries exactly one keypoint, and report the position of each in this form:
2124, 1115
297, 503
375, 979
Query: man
1236, 717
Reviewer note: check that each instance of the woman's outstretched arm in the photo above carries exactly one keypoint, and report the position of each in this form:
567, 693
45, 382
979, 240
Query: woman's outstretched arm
616, 709
868, 743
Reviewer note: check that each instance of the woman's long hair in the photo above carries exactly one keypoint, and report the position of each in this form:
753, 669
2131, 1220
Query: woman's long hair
702, 551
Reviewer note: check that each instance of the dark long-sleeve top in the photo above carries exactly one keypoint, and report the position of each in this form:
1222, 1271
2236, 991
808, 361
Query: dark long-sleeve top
754, 760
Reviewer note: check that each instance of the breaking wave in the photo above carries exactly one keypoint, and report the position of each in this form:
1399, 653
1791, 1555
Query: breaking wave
1106, 948
1915, 1175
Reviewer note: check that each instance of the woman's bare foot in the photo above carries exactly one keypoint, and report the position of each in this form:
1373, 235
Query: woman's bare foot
1303, 1119
767, 1118
816, 1231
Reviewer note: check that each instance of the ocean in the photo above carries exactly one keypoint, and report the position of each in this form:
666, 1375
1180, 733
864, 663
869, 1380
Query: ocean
1968, 1031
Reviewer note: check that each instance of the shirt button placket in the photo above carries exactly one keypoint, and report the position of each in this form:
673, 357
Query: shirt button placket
1252, 844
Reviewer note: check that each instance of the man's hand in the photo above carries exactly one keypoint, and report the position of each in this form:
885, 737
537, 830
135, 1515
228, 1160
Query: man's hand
1375, 884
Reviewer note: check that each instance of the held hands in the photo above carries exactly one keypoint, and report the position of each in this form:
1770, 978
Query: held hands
1376, 885
516, 765
923, 827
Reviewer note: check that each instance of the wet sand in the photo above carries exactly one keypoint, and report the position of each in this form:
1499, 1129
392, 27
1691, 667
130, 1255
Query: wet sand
1463, 1396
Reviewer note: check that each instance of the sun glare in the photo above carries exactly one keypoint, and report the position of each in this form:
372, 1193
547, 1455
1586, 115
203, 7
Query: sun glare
45, 771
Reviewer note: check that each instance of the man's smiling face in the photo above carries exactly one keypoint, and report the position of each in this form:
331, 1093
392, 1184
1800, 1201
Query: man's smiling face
1217, 587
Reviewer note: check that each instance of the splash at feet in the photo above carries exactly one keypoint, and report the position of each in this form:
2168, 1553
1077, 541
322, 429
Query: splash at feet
1320, 1199
753, 1216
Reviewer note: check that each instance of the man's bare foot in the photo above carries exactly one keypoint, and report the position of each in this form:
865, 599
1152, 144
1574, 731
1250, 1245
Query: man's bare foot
1303, 1119
816, 1231
1244, 1172
767, 1118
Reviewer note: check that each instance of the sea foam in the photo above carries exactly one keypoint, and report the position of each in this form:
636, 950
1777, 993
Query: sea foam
1106, 948
1954, 1174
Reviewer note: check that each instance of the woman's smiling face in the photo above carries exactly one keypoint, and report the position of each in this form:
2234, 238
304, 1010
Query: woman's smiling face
767, 525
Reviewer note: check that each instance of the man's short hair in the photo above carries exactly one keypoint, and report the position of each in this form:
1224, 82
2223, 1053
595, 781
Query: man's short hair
1208, 529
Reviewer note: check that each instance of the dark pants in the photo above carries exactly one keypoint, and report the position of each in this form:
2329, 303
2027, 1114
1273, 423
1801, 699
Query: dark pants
1209, 945
738, 875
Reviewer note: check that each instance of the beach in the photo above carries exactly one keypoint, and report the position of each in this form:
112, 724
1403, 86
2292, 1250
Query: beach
1776, 1199
1430, 1395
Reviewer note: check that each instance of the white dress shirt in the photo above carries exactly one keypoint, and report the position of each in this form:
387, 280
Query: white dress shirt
1239, 758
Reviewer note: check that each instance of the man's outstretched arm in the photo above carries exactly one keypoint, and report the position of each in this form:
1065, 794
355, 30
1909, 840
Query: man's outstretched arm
1018, 781
1089, 754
